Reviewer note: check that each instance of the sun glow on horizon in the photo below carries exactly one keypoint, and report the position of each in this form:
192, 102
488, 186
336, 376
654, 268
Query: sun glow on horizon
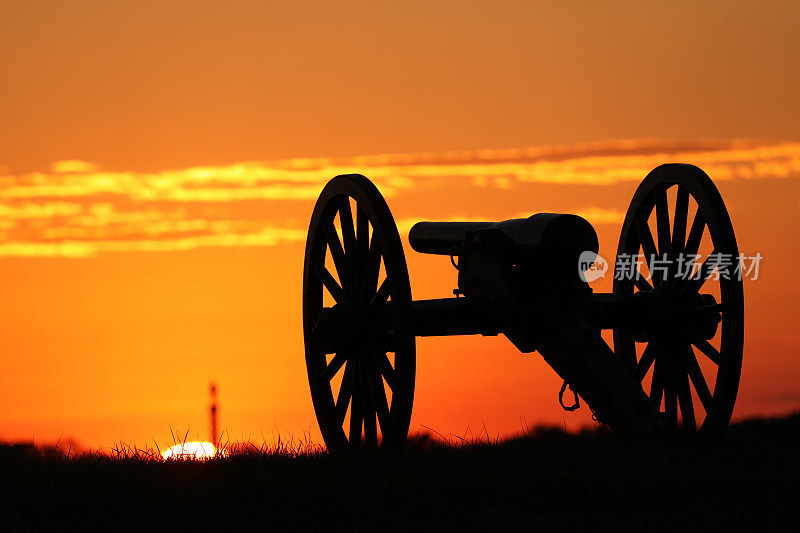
194, 450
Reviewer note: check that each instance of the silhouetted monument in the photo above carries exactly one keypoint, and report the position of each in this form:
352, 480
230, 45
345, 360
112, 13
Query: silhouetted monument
213, 415
526, 279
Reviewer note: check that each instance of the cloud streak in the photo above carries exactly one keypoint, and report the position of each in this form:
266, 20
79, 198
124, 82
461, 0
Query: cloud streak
78, 210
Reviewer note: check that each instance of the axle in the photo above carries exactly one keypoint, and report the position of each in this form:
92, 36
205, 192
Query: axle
647, 315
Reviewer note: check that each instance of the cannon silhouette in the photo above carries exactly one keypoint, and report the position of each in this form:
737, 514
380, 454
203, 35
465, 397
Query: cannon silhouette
524, 279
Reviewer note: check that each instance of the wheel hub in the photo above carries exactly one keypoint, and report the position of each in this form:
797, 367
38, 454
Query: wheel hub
352, 328
671, 316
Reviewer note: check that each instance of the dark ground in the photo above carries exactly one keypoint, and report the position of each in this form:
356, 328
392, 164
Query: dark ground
550, 480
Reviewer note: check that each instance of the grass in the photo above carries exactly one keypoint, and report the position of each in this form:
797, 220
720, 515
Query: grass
547, 479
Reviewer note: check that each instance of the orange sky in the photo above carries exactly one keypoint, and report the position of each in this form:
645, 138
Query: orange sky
159, 162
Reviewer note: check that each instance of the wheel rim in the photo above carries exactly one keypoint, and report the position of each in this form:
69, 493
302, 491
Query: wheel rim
360, 369
678, 359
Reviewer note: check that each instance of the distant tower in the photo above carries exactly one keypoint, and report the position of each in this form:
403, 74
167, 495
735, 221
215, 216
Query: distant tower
213, 414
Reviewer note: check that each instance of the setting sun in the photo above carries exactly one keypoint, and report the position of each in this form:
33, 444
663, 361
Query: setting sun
194, 450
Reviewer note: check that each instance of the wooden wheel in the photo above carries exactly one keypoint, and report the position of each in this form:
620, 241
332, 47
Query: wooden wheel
689, 358
359, 347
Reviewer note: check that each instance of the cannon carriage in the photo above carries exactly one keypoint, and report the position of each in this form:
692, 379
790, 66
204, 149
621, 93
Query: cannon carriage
524, 279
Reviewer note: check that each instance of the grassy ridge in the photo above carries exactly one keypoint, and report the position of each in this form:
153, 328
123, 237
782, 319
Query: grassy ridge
549, 479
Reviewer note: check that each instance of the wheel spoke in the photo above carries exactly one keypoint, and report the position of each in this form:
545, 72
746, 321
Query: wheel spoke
344, 396
695, 234
348, 228
641, 283
648, 246
330, 283
370, 430
371, 269
679, 222
699, 382
333, 367
368, 407
662, 222
362, 246
379, 401
657, 385
706, 347
700, 275
666, 366
385, 368
349, 238
687, 408
671, 402
382, 295
678, 233
337, 253
648, 357
355, 411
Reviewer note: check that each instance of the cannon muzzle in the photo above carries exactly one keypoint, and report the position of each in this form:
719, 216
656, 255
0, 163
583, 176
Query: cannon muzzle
567, 235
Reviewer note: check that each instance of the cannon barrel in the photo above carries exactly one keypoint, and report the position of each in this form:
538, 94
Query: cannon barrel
565, 233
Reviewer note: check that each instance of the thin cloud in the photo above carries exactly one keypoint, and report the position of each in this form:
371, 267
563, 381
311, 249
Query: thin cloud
72, 166
585, 164
595, 215
79, 210
599, 215
30, 210
90, 248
